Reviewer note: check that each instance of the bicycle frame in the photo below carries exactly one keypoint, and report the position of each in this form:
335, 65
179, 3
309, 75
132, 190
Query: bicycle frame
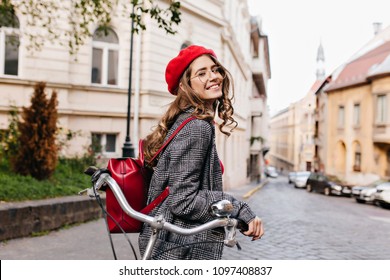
159, 223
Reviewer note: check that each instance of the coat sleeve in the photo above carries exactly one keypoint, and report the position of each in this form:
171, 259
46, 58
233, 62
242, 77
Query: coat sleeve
188, 199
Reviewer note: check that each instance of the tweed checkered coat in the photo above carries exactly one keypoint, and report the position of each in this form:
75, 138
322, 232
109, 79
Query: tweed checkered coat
190, 167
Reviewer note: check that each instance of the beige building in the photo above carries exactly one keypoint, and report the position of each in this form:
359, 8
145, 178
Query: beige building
93, 91
282, 152
259, 118
292, 135
292, 130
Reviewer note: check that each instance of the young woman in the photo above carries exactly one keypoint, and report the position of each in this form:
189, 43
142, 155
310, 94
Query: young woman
190, 165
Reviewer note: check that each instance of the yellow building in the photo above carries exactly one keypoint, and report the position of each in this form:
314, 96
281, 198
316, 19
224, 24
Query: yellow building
358, 120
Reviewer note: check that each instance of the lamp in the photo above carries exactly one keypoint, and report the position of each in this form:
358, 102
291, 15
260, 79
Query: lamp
128, 149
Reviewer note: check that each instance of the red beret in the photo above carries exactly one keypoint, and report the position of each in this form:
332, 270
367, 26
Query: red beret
177, 65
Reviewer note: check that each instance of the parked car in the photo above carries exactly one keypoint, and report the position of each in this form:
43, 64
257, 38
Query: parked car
369, 189
300, 179
368, 194
270, 171
291, 177
382, 198
320, 183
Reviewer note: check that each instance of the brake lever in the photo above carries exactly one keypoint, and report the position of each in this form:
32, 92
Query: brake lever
230, 234
89, 192
95, 173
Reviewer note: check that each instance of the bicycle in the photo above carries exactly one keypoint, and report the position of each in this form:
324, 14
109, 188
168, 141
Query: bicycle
221, 210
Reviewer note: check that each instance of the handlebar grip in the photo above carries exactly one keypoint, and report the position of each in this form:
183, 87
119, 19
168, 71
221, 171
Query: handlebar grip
90, 170
242, 226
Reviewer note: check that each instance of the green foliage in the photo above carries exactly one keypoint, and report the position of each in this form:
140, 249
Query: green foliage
39, 29
9, 137
68, 179
165, 18
37, 151
81, 15
7, 14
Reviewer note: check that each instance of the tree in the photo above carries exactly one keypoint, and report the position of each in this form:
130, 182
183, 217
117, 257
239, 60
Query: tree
37, 154
80, 15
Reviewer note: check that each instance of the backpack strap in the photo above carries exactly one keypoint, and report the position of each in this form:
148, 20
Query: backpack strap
161, 197
172, 136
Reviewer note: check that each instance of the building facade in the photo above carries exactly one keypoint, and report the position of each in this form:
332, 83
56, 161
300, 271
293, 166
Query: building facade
283, 139
358, 137
259, 117
93, 90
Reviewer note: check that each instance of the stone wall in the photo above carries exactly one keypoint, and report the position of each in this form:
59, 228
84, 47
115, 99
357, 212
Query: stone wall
20, 219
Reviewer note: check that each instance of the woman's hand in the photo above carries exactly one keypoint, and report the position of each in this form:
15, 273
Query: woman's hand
255, 229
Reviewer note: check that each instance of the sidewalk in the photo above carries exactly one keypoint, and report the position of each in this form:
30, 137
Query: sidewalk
248, 190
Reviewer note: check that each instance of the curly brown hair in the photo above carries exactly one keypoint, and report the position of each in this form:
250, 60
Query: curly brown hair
188, 98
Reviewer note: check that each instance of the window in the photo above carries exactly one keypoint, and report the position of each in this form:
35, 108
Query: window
105, 58
358, 158
381, 109
356, 114
9, 47
104, 143
341, 117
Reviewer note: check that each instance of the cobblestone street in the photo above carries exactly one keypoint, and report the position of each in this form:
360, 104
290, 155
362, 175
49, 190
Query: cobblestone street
311, 226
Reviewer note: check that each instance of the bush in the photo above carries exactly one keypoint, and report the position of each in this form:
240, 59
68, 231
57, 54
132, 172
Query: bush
68, 179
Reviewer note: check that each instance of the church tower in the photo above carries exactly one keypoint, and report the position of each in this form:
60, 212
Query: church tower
320, 73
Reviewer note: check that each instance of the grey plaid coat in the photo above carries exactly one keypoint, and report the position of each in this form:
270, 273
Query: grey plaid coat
190, 167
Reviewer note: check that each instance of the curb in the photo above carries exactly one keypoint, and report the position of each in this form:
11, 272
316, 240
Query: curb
251, 192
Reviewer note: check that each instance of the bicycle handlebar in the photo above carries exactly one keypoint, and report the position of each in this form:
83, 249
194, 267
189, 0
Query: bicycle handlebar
101, 179
158, 222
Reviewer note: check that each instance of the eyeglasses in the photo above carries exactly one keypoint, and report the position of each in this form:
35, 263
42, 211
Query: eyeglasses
205, 75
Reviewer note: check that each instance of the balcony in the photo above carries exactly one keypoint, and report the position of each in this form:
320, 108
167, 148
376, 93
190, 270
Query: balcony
258, 71
381, 133
258, 66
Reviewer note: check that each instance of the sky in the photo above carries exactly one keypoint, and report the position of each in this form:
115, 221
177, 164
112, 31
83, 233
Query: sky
295, 29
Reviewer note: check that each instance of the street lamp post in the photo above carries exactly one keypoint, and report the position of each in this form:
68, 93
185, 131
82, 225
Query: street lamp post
128, 149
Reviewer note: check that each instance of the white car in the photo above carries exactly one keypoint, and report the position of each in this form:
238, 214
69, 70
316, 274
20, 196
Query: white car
291, 177
300, 179
270, 171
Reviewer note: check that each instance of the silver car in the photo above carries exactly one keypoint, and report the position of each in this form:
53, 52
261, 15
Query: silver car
369, 194
368, 191
382, 198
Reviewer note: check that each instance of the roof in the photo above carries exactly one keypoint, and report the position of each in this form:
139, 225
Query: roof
360, 69
315, 86
381, 69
